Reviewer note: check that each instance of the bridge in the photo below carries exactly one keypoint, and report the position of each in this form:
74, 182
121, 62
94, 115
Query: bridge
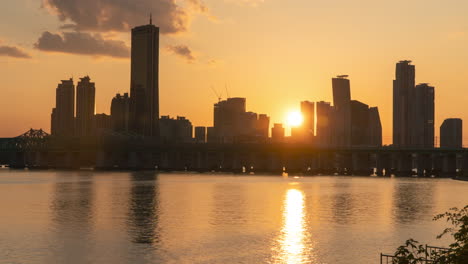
37, 150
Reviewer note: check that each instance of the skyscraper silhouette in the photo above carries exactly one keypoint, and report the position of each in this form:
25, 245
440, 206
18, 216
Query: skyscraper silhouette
324, 124
342, 110
375, 127
422, 132
144, 83
403, 97
308, 125
119, 112
451, 133
85, 103
63, 115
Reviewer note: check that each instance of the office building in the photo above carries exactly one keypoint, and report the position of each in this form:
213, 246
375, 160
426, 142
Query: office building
422, 133
403, 98
342, 111
451, 133
308, 124
144, 81
85, 105
375, 128
324, 124
359, 123
263, 126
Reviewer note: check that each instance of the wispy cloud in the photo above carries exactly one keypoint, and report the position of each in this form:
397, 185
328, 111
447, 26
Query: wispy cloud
182, 51
15, 52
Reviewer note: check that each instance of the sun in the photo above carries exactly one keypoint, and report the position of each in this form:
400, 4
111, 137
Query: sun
294, 119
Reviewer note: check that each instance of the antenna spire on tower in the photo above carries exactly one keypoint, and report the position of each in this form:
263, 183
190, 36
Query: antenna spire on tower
151, 19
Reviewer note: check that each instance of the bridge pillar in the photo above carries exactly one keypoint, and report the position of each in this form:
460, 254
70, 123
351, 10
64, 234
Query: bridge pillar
465, 164
360, 163
402, 163
449, 165
17, 160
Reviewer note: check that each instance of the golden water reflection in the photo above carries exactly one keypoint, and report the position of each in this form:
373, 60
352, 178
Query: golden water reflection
293, 234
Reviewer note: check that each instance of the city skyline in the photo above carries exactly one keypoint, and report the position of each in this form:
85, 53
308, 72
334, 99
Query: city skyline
253, 86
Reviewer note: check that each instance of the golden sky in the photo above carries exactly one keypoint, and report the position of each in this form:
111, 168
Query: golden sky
275, 53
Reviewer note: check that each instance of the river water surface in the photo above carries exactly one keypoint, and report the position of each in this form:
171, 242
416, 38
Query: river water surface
146, 217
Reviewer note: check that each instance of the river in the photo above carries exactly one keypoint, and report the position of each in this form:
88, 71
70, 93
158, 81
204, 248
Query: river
149, 217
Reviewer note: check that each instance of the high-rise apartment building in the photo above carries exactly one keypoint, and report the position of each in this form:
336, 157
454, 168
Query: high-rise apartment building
144, 83
63, 115
120, 109
177, 130
200, 134
85, 107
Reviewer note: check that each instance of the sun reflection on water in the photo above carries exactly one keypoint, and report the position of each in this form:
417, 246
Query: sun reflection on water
292, 239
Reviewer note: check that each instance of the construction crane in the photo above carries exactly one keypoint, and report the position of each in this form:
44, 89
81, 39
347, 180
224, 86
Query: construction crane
218, 95
227, 92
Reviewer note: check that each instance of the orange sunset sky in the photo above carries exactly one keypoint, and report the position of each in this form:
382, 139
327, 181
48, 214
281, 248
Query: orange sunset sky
275, 53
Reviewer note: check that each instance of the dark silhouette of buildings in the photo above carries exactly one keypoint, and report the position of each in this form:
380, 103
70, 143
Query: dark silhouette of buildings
277, 133
263, 126
120, 109
85, 105
233, 124
308, 124
375, 127
63, 115
342, 111
451, 133
144, 84
175, 130
403, 97
366, 128
200, 134
423, 116
102, 124
359, 123
324, 124
211, 135
413, 109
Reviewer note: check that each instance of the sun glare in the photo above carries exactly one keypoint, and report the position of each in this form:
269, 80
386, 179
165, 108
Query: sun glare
294, 119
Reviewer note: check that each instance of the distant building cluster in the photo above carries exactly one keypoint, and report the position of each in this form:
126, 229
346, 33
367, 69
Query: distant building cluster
345, 123
414, 112
232, 123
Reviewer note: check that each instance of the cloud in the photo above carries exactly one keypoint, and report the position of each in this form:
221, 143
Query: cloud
82, 43
121, 15
199, 6
182, 51
12, 51
247, 2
